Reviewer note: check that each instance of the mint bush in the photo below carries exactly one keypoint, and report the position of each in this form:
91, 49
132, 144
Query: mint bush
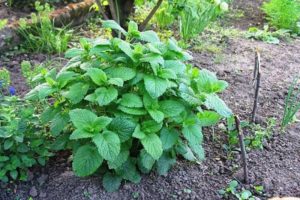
129, 106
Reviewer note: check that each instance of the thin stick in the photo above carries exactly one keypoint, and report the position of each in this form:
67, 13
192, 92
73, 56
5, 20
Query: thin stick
148, 18
256, 76
113, 11
243, 150
101, 10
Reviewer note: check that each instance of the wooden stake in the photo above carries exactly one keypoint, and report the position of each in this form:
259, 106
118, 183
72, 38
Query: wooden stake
256, 76
243, 149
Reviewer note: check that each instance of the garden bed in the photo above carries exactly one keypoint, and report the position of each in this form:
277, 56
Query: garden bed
276, 167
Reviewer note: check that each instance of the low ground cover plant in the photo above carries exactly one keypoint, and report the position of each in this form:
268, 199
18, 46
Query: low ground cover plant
283, 14
23, 143
129, 106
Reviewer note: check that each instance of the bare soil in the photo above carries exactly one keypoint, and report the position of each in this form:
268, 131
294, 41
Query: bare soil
277, 167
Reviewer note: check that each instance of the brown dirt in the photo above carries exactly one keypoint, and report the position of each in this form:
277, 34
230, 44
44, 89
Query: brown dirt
276, 167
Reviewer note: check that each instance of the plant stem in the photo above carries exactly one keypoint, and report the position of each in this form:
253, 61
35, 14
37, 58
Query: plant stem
243, 149
256, 76
151, 14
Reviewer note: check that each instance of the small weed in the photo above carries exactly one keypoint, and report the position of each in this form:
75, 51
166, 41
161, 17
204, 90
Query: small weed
292, 104
267, 36
234, 190
3, 23
135, 195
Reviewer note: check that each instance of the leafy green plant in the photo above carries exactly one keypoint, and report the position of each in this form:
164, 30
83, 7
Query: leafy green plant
3, 23
267, 36
32, 73
22, 142
283, 14
292, 104
232, 190
133, 105
40, 34
4, 78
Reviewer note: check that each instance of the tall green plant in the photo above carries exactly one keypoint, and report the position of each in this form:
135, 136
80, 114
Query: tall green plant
130, 105
283, 14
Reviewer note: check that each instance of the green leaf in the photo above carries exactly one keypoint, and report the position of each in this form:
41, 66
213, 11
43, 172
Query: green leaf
76, 92
157, 115
151, 126
198, 150
168, 137
175, 65
129, 171
113, 25
246, 194
125, 47
125, 73
73, 52
86, 160
155, 86
8, 144
111, 182
153, 145
214, 102
145, 161
131, 100
119, 161
97, 75
185, 151
208, 118
64, 77
171, 108
167, 74
138, 133
58, 123
81, 134
193, 134
124, 127
164, 164
13, 174
108, 144
149, 36
106, 95
82, 118
209, 83
116, 81
132, 111
4, 158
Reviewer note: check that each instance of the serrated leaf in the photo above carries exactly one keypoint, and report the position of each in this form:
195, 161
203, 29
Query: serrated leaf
175, 65
124, 127
86, 160
106, 95
198, 150
153, 145
76, 92
111, 182
157, 115
116, 81
167, 74
209, 83
125, 47
131, 100
125, 73
185, 151
58, 123
113, 25
132, 111
97, 75
7, 144
193, 134
165, 163
80, 134
145, 161
138, 133
149, 36
108, 144
155, 86
82, 118
64, 77
214, 102
208, 118
129, 171
171, 108
168, 137
151, 126
119, 161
